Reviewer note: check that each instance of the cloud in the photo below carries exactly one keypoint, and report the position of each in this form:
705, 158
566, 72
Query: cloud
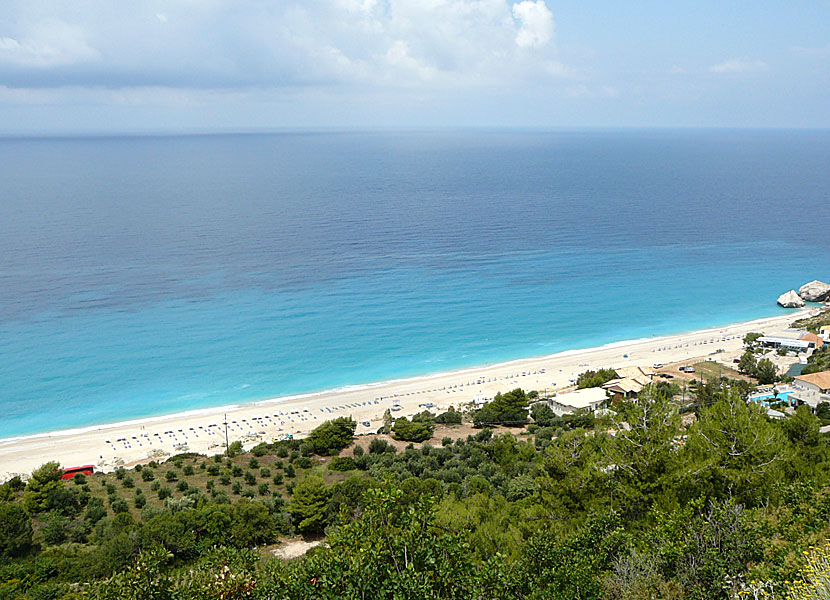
48, 44
677, 70
246, 44
739, 65
536, 21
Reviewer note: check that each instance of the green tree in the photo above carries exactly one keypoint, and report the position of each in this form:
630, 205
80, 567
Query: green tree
504, 409
44, 480
542, 414
332, 436
450, 417
765, 372
749, 338
591, 379
252, 524
412, 431
308, 504
15, 530
734, 451
643, 451
748, 362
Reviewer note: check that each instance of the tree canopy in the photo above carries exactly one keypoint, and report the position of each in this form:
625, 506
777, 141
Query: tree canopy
332, 436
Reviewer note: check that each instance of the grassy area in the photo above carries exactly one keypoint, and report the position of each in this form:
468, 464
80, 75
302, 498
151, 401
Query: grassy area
256, 477
813, 323
712, 370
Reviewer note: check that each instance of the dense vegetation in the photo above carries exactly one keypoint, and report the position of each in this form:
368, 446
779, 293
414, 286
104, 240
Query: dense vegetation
637, 506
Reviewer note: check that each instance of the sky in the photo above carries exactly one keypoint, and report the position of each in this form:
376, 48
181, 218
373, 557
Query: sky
219, 65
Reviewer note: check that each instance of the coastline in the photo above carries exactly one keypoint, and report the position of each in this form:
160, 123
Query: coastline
364, 402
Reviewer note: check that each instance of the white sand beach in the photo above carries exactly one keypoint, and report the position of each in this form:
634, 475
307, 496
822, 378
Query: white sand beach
108, 446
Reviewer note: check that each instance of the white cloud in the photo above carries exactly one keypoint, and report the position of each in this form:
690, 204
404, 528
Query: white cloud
677, 70
48, 44
536, 21
739, 65
239, 44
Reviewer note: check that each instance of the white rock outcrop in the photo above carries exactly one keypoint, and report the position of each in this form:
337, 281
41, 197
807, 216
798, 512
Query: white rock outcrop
815, 291
790, 300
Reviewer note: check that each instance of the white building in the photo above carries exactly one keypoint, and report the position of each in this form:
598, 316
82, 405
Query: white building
812, 389
589, 398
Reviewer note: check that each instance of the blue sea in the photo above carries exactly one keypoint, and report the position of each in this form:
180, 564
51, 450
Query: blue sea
146, 275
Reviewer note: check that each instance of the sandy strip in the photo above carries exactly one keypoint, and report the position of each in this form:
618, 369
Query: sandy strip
108, 446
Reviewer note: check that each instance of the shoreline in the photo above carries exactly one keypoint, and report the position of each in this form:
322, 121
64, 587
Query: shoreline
15, 458
374, 384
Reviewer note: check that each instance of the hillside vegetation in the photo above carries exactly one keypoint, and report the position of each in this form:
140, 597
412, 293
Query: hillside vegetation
635, 506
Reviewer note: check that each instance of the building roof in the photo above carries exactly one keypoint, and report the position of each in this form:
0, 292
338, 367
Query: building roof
626, 385
634, 372
822, 379
812, 337
582, 398
784, 341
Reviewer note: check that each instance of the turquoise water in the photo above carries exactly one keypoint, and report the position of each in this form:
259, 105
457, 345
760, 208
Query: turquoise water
144, 276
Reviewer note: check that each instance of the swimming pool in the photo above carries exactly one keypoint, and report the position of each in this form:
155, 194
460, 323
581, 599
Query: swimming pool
766, 398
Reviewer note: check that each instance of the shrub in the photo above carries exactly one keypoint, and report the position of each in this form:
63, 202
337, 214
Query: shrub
263, 489
265, 472
147, 475
188, 470
235, 449
253, 463
79, 479
358, 451
171, 476
250, 478
182, 486
412, 431
342, 463
164, 492
128, 482
236, 471
332, 436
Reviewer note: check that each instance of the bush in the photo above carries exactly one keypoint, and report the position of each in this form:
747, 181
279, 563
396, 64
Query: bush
140, 501
412, 431
15, 530
378, 446
164, 492
253, 463
79, 479
358, 451
171, 476
265, 472
182, 486
147, 475
591, 379
235, 449
332, 436
303, 462
213, 470
188, 470
263, 489
236, 471
342, 463
451, 417
260, 449
277, 478
127, 482
250, 478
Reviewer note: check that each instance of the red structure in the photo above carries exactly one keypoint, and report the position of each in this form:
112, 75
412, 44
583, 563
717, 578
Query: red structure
72, 471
